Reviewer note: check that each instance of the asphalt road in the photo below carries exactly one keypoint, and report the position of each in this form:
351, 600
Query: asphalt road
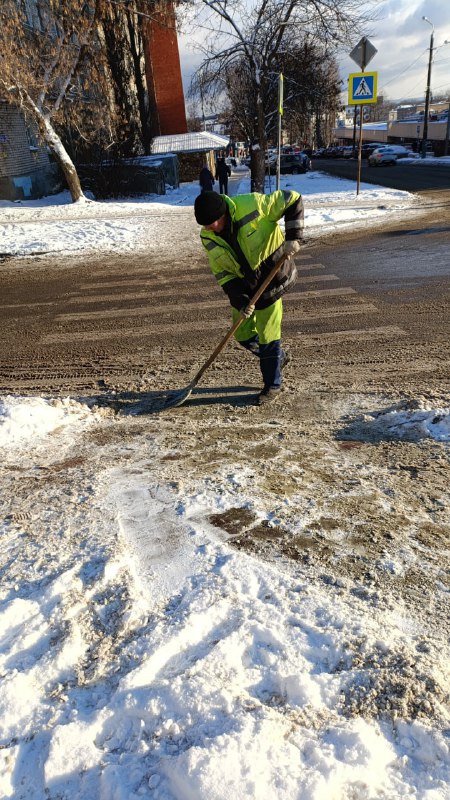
365, 308
413, 177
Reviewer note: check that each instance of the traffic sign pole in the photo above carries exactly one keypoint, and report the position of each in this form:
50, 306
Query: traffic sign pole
280, 114
358, 181
361, 55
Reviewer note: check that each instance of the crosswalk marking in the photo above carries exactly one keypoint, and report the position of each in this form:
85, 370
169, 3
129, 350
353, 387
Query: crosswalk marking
316, 339
176, 296
149, 280
306, 295
151, 312
188, 293
203, 326
197, 326
107, 298
315, 278
315, 265
146, 310
308, 267
330, 312
161, 282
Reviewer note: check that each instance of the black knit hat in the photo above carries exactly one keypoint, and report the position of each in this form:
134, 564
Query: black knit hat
209, 207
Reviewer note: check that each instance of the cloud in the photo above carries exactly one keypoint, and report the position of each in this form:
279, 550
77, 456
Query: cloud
437, 11
402, 39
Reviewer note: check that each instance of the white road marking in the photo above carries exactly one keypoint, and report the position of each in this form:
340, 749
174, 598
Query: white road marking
336, 337
148, 311
315, 278
298, 315
203, 326
299, 295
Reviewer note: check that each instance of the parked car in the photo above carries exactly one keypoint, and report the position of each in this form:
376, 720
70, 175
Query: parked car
348, 152
398, 149
291, 164
331, 152
367, 149
340, 152
383, 157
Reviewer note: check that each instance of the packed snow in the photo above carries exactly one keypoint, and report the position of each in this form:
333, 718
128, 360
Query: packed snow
141, 655
56, 225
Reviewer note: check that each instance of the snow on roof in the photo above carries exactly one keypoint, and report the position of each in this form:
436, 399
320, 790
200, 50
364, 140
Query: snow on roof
375, 126
193, 142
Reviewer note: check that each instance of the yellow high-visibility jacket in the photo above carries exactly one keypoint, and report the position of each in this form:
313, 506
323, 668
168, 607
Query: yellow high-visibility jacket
258, 236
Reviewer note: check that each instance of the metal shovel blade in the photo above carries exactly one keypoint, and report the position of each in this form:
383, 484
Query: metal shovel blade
177, 398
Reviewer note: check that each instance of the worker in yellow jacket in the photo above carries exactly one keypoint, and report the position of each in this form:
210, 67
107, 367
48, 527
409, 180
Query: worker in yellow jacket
243, 241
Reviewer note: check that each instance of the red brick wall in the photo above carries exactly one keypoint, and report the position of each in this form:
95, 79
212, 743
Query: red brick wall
163, 74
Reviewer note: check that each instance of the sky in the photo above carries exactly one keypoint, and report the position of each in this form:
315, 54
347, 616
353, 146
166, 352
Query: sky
402, 40
142, 655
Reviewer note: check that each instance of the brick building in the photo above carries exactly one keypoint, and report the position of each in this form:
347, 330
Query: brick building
25, 167
163, 72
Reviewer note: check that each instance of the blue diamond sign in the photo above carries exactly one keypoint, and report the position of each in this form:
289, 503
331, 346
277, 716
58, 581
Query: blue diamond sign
362, 88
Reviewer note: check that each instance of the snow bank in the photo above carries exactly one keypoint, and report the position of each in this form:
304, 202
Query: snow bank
55, 225
23, 420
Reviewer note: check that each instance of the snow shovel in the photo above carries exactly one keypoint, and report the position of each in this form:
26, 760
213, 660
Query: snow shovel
177, 398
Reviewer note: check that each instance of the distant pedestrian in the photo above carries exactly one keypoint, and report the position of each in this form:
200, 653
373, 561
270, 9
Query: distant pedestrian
223, 172
206, 179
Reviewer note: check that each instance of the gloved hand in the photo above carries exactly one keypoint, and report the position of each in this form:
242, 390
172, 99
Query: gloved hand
248, 310
291, 247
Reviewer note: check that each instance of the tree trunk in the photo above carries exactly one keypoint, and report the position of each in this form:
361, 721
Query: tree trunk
258, 151
257, 168
141, 90
62, 157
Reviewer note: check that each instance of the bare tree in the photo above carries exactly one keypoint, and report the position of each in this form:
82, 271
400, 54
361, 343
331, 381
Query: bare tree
42, 47
311, 91
249, 40
120, 34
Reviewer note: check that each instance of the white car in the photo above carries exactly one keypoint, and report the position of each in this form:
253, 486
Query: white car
383, 156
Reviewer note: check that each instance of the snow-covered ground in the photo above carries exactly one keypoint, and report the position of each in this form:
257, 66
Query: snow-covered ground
142, 655
55, 224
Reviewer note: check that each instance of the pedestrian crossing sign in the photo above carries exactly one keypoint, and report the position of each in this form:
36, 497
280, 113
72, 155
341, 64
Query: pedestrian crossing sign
362, 88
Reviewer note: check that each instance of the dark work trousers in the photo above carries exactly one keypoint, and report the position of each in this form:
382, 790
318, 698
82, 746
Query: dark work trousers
223, 185
271, 357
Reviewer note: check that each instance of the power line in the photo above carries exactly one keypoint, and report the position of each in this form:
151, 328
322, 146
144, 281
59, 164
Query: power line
406, 68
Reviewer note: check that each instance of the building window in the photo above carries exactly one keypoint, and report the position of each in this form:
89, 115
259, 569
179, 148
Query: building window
31, 137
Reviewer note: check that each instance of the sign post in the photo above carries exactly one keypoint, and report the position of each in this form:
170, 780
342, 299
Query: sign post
280, 114
362, 88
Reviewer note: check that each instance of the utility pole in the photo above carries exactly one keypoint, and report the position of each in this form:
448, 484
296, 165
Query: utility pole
427, 96
447, 133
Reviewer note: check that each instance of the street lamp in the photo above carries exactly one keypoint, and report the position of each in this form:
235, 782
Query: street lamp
427, 96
